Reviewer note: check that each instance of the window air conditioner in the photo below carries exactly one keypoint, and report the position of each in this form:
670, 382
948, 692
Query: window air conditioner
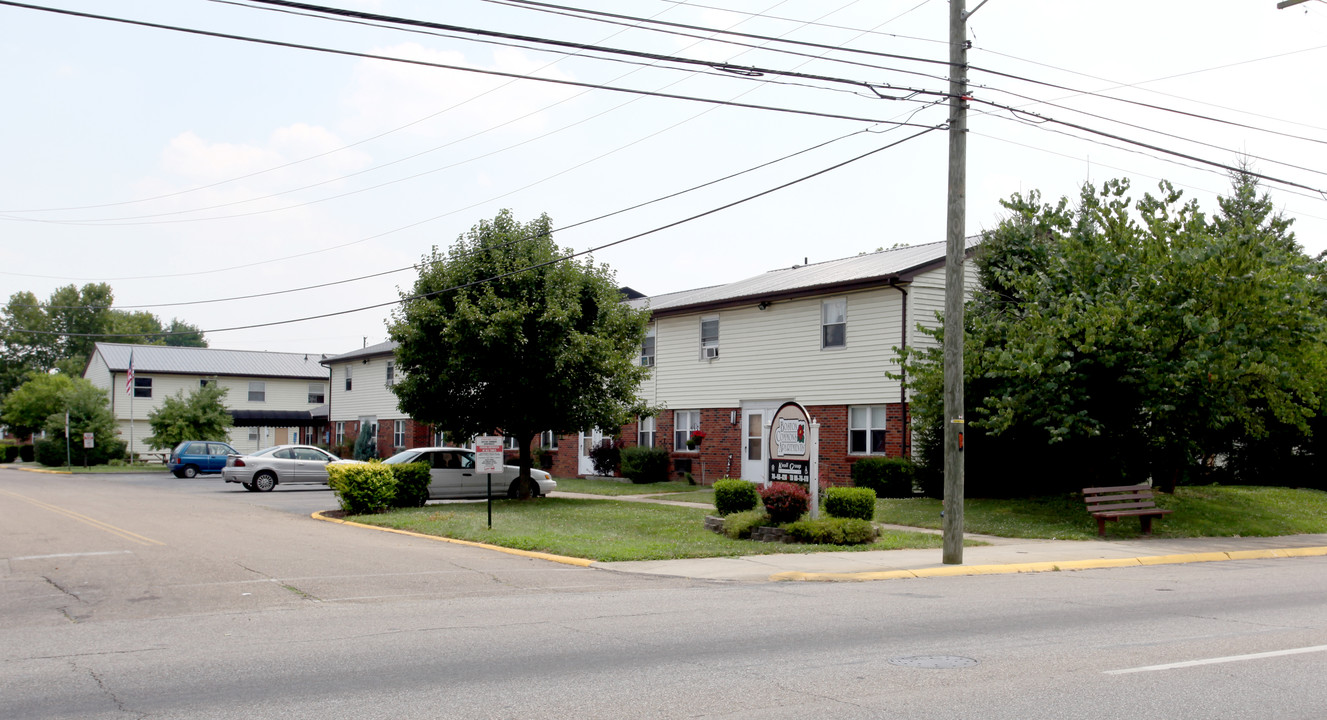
647, 361
711, 352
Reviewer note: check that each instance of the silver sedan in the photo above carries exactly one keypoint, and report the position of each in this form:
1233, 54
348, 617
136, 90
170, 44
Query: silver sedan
452, 474
265, 469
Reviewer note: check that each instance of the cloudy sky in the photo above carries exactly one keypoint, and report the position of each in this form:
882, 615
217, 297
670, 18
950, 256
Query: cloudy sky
188, 170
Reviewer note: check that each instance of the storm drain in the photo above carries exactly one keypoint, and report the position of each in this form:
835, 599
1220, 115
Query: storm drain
933, 662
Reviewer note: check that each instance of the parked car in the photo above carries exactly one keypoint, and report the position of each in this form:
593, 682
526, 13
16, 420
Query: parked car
269, 467
454, 476
198, 456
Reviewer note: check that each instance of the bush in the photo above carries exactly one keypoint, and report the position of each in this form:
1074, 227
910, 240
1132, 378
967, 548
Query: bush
832, 531
362, 489
844, 502
27, 453
738, 526
412, 484
888, 477
607, 456
11, 453
644, 464
735, 496
51, 452
785, 502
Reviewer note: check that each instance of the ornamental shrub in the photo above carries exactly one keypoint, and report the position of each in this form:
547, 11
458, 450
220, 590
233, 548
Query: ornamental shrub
850, 502
832, 531
362, 488
644, 464
51, 452
734, 496
11, 453
785, 502
412, 484
607, 456
738, 526
888, 477
27, 453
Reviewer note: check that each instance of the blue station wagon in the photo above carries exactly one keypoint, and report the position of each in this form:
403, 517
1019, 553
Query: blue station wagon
199, 456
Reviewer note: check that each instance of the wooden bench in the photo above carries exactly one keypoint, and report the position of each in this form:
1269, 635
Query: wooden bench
1113, 503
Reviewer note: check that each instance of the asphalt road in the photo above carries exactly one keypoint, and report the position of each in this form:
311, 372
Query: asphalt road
147, 597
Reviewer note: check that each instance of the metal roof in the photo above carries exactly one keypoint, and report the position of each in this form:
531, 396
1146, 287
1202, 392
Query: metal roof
899, 264
382, 348
208, 361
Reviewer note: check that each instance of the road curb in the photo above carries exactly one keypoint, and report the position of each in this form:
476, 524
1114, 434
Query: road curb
564, 559
44, 471
1053, 566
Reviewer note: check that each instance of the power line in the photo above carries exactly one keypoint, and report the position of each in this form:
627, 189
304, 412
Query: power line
562, 258
445, 66
831, 26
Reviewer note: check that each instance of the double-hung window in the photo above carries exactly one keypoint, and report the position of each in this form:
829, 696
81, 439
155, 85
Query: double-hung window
548, 440
645, 432
316, 394
834, 323
709, 337
142, 387
257, 391
647, 348
866, 430
391, 373
398, 433
340, 433
685, 422
348, 369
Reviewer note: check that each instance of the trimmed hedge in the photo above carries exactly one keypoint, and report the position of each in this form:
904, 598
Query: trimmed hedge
11, 453
51, 452
832, 531
735, 496
412, 484
888, 477
845, 502
644, 464
739, 525
28, 453
785, 502
363, 488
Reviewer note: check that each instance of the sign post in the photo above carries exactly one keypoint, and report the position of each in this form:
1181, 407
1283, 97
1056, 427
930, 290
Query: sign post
488, 459
88, 444
794, 450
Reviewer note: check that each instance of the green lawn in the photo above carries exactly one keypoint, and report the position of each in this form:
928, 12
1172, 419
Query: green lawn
608, 486
604, 530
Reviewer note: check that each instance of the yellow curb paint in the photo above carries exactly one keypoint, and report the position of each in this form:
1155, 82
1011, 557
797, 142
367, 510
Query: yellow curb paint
1304, 552
42, 470
565, 560
1187, 558
1254, 554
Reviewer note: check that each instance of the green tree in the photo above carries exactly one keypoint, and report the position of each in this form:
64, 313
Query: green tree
202, 415
28, 406
184, 335
1119, 340
89, 411
503, 336
366, 443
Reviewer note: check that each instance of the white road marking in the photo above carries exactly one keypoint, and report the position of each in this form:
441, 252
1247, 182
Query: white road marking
65, 555
1218, 660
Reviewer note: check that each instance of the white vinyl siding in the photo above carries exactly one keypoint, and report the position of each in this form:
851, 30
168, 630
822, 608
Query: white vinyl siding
368, 398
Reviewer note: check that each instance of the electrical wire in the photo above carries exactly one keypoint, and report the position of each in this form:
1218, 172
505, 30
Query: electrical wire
831, 26
562, 258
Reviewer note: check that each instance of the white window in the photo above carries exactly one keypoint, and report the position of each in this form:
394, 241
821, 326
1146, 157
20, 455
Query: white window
709, 337
439, 438
645, 432
391, 373
834, 323
253, 434
340, 433
142, 387
257, 391
348, 369
398, 432
647, 348
866, 430
685, 422
548, 440
316, 394
510, 443
204, 382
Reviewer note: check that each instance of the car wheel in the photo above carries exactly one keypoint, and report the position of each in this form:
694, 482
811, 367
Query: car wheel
177, 473
190, 471
249, 487
514, 490
264, 481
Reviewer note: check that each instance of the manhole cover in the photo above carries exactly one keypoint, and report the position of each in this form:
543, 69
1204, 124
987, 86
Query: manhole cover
934, 662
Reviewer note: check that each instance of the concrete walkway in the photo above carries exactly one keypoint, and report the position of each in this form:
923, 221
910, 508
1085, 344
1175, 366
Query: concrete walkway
1000, 555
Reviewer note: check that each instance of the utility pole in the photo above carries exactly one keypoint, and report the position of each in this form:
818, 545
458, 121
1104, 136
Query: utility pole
955, 249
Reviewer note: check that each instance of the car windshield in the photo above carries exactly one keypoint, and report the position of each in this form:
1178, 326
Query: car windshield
405, 456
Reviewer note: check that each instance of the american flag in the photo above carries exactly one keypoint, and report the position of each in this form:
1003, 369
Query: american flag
129, 376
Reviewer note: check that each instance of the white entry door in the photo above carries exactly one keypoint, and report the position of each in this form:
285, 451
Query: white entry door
589, 440
754, 453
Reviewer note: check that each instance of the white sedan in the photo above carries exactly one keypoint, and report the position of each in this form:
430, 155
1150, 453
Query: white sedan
453, 475
265, 469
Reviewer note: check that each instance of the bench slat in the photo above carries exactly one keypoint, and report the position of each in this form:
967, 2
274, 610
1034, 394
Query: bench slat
1109, 504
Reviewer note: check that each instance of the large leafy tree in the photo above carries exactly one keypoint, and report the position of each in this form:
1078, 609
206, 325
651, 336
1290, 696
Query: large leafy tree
89, 411
1117, 340
501, 335
28, 406
201, 415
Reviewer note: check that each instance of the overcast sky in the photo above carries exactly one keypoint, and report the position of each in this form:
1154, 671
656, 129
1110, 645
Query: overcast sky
182, 168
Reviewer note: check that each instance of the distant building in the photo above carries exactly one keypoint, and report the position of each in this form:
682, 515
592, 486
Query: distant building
275, 398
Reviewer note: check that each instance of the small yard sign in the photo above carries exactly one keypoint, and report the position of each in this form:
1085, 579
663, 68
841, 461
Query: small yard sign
87, 440
488, 454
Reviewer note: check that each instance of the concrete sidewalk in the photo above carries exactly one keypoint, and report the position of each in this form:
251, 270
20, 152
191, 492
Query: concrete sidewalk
1000, 555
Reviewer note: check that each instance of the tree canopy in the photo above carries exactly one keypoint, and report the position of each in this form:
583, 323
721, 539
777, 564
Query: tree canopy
202, 415
28, 406
1119, 340
503, 336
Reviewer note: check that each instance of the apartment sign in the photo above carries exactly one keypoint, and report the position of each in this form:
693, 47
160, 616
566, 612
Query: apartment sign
789, 440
